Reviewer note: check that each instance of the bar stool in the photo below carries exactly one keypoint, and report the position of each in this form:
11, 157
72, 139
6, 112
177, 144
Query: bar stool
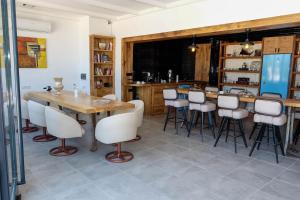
268, 112
269, 95
198, 103
229, 110
297, 131
211, 89
37, 116
172, 102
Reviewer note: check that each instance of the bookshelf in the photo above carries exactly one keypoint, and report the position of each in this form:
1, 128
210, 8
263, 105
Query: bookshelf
238, 69
102, 61
295, 75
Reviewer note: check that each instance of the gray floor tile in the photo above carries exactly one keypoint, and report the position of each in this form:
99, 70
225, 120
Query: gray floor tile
291, 177
282, 189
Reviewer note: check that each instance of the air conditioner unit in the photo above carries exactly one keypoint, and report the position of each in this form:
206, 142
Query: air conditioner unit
33, 25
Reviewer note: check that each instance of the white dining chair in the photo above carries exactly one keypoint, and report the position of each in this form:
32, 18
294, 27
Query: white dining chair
115, 130
25, 116
36, 113
68, 128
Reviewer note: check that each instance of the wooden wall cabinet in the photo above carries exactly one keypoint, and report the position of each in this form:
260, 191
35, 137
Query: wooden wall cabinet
278, 45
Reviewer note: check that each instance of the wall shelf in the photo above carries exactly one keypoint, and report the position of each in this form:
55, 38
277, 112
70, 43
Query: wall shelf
102, 62
239, 85
241, 71
241, 57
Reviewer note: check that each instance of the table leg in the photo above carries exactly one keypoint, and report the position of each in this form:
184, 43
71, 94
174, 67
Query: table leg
292, 126
108, 113
94, 146
287, 134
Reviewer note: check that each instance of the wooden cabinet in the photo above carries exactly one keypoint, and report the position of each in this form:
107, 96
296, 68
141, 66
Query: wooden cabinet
277, 45
202, 62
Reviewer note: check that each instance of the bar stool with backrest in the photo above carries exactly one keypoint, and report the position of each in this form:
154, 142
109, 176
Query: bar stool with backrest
198, 104
211, 89
25, 116
37, 116
115, 130
269, 95
268, 112
229, 111
69, 128
178, 105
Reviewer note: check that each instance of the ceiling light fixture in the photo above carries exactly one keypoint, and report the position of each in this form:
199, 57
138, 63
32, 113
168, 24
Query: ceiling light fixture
247, 43
193, 47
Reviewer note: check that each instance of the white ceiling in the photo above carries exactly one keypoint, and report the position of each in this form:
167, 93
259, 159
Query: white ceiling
105, 9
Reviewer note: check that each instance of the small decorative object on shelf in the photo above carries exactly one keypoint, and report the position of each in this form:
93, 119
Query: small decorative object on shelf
58, 86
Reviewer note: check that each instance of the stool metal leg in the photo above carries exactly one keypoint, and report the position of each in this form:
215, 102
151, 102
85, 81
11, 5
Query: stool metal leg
279, 139
167, 117
223, 122
193, 112
275, 143
176, 125
202, 124
242, 132
253, 130
261, 132
211, 123
234, 137
227, 130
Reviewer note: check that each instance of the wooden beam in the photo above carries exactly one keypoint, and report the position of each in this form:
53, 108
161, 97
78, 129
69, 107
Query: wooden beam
80, 11
283, 21
154, 3
109, 6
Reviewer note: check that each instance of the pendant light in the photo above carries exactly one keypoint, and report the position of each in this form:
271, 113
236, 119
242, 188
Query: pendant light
247, 43
193, 47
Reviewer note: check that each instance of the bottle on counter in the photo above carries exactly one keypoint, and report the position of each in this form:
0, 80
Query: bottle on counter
177, 78
75, 89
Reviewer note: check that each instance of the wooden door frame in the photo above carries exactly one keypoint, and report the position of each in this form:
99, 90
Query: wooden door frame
284, 21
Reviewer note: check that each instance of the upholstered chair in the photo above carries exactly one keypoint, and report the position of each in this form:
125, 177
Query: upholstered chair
139, 110
229, 111
297, 130
198, 104
115, 130
37, 117
268, 112
272, 96
178, 105
63, 127
25, 116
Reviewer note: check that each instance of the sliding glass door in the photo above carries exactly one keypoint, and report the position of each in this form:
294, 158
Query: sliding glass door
11, 141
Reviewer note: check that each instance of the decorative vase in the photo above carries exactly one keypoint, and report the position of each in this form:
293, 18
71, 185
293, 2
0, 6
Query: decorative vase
58, 85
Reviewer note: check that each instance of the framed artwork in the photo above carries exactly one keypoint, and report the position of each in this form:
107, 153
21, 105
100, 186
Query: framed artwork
32, 52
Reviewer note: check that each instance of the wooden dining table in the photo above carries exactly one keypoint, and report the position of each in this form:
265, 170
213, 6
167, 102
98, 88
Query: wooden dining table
291, 105
85, 104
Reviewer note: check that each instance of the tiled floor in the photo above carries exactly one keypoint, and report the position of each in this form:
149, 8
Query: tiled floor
166, 166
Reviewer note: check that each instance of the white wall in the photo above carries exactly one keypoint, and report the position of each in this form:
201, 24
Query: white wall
62, 57
201, 14
67, 53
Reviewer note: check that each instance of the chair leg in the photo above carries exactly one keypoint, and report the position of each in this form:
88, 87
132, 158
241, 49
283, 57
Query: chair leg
253, 130
234, 136
279, 139
223, 122
45, 137
63, 150
227, 130
257, 140
275, 143
119, 156
211, 123
176, 124
167, 118
28, 128
185, 120
242, 132
193, 112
